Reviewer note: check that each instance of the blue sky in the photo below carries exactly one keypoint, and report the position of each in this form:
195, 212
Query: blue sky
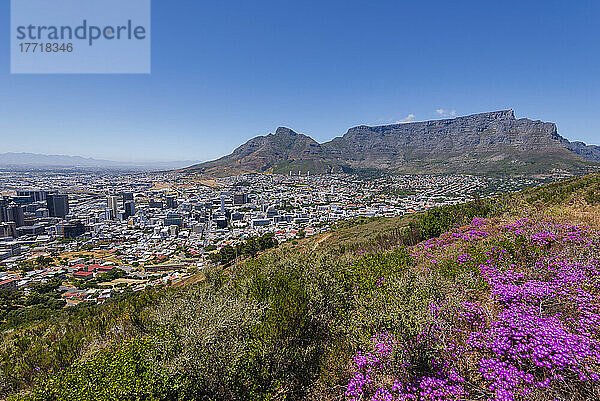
223, 72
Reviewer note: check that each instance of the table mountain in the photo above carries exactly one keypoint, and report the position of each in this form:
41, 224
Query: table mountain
488, 143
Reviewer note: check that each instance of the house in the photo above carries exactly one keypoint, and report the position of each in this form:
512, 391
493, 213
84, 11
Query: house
9, 284
82, 274
93, 268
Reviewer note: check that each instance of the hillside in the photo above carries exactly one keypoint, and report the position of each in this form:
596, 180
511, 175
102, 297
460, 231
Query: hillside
495, 299
487, 143
285, 149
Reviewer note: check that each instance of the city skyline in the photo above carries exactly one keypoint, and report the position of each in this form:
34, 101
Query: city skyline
222, 74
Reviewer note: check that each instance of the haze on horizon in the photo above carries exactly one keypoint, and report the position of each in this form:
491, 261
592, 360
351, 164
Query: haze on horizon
224, 73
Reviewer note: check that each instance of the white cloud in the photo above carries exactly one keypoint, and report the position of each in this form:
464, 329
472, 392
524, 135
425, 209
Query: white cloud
409, 118
446, 113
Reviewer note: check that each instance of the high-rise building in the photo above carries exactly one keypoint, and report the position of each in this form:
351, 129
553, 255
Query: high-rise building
129, 207
8, 230
113, 205
22, 200
240, 199
58, 205
174, 219
171, 202
15, 214
73, 229
34, 195
220, 221
36, 229
3, 203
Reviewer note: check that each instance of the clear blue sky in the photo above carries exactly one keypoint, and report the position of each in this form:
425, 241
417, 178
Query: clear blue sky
226, 71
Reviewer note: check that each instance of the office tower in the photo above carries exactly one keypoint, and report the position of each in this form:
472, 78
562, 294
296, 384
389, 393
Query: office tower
240, 199
58, 205
271, 212
22, 200
73, 229
171, 202
222, 204
174, 219
8, 230
36, 229
220, 221
129, 207
153, 204
15, 214
113, 205
35, 195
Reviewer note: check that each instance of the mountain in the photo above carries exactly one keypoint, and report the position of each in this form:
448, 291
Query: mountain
493, 142
285, 149
34, 160
588, 152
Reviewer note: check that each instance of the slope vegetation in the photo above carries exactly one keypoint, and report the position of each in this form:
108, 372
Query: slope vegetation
496, 299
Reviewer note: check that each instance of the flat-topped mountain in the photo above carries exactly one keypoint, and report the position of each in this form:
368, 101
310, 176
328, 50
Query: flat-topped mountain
494, 142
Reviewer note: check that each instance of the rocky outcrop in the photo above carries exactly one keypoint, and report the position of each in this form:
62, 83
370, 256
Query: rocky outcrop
285, 149
588, 152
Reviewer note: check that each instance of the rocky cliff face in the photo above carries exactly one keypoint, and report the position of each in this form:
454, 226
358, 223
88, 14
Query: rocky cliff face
480, 132
451, 143
588, 152
479, 143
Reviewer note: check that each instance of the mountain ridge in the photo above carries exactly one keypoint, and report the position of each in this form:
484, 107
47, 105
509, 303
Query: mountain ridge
482, 143
38, 160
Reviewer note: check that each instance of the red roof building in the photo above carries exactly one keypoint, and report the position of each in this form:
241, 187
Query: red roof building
83, 274
9, 284
93, 268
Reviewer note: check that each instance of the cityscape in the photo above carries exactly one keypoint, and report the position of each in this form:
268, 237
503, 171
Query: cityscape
153, 229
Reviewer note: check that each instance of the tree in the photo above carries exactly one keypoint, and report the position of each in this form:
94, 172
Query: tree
44, 261
267, 241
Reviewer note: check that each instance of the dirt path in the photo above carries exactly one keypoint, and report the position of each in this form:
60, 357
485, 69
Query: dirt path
320, 240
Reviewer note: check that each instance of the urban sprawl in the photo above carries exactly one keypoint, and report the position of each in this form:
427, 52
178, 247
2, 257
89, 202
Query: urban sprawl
96, 234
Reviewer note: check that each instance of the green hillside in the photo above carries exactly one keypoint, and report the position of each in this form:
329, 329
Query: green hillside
496, 299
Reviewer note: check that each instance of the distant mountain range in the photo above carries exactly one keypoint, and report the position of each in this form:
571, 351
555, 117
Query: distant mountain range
33, 160
486, 143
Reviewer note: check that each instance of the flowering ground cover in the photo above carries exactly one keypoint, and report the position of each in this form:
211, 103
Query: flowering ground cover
532, 333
